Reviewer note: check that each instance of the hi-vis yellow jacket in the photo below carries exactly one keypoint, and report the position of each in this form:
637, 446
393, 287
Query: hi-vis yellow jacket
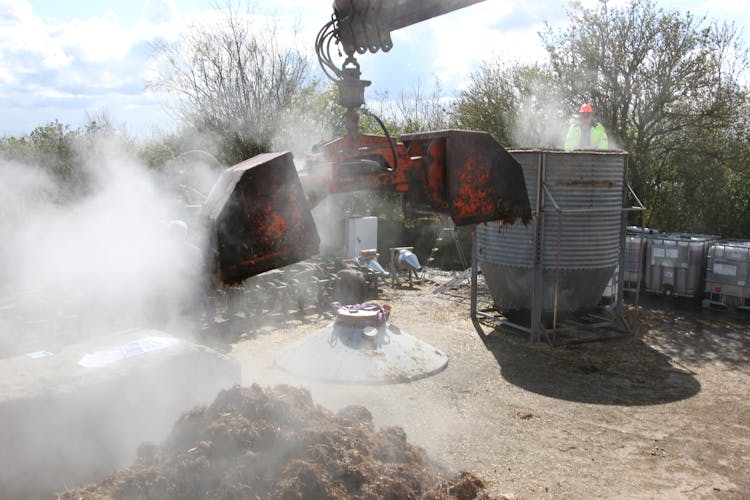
597, 138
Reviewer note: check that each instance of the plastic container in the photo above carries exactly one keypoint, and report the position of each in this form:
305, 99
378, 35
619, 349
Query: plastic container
675, 264
728, 275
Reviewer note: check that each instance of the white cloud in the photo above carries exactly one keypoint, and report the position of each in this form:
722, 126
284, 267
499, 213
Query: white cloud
23, 32
6, 78
13, 12
99, 39
454, 45
728, 6
101, 61
158, 11
91, 62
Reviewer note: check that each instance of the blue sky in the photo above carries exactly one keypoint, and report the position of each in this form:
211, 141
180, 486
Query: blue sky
69, 60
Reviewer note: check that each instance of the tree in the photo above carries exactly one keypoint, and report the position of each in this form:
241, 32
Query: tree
518, 104
66, 155
707, 186
419, 110
664, 83
53, 149
232, 81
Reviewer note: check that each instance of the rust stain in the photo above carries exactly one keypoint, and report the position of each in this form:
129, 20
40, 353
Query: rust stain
606, 184
262, 258
276, 227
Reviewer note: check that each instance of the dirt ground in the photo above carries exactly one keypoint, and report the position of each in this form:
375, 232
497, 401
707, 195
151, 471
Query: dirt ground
662, 413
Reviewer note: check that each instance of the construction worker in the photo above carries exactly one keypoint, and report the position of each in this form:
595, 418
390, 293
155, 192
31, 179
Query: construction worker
587, 133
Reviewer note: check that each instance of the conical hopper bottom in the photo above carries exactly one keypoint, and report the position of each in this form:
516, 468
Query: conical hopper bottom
352, 354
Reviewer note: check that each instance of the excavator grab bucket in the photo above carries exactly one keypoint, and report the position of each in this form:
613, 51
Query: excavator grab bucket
484, 182
259, 218
260, 209
471, 177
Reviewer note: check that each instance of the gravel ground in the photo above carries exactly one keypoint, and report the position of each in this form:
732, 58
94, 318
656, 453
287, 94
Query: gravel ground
661, 413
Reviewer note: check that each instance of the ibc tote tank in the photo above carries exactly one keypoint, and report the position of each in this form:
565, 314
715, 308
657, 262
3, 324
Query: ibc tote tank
675, 264
634, 258
728, 274
583, 244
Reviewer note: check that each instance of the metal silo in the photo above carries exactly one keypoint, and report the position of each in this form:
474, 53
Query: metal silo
561, 262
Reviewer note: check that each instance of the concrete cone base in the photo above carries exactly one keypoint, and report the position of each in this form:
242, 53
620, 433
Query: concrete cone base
348, 354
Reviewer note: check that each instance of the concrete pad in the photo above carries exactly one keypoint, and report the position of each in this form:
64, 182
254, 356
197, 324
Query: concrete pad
76, 415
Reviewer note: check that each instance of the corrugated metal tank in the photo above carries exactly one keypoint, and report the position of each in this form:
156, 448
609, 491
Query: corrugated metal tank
589, 241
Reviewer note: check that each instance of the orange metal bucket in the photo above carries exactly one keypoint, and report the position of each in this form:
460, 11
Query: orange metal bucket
260, 218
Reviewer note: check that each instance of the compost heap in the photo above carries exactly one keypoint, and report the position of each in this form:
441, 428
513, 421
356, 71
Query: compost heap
277, 444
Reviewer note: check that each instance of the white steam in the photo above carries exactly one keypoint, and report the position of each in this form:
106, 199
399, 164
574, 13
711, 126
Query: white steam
541, 121
299, 131
103, 263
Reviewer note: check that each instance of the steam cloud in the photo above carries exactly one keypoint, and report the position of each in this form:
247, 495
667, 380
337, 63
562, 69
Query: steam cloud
106, 262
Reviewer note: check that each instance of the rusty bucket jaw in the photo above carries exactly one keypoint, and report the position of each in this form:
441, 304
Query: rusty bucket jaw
260, 217
464, 174
471, 175
260, 208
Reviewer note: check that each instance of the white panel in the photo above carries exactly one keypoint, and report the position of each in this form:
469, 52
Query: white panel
362, 234
725, 269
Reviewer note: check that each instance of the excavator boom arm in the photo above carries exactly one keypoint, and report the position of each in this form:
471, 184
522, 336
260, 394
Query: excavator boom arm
260, 209
464, 174
367, 24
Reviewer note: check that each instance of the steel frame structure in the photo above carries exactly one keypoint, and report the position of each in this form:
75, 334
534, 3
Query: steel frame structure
536, 327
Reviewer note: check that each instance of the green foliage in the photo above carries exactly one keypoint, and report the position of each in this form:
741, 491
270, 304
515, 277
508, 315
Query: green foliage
53, 149
706, 188
318, 104
666, 85
489, 103
66, 155
370, 203
667, 88
51, 145
518, 104
156, 152
233, 82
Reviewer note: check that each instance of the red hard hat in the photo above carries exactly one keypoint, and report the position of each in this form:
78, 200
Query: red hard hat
586, 108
